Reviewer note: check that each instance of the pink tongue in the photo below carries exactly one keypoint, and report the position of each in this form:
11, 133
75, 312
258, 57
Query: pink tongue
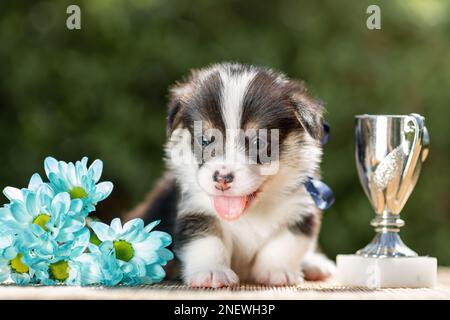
230, 208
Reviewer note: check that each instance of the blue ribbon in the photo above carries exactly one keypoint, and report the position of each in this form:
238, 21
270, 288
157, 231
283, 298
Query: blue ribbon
321, 193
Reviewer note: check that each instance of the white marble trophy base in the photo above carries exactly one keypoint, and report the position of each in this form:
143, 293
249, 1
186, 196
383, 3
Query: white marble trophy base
403, 272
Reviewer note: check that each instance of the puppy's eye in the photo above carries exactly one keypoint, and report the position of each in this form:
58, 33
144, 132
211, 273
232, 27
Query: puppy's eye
204, 141
259, 143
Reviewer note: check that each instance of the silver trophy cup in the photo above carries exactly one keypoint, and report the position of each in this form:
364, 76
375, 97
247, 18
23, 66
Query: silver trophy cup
389, 154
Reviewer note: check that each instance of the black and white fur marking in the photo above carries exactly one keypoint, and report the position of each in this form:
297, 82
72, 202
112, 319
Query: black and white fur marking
274, 241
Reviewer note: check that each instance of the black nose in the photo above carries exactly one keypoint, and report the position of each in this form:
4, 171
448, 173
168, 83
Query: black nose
223, 178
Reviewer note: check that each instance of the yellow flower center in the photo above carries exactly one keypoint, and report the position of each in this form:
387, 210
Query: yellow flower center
41, 220
59, 270
124, 250
78, 193
18, 266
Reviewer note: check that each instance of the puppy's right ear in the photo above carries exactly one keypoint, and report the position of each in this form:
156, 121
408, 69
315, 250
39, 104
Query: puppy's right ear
177, 97
308, 111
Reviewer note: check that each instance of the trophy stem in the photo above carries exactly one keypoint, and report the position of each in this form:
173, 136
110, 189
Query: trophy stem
387, 242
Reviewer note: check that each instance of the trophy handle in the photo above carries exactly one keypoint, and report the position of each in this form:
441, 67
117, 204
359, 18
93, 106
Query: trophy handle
417, 154
425, 137
425, 144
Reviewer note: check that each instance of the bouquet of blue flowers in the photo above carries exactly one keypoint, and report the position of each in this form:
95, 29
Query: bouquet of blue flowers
46, 236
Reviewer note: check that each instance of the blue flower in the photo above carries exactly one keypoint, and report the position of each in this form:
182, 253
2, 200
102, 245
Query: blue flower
140, 252
57, 215
100, 265
53, 262
79, 181
12, 266
38, 246
15, 271
23, 208
59, 271
44, 238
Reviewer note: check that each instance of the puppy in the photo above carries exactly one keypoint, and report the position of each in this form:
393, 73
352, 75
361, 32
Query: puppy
241, 141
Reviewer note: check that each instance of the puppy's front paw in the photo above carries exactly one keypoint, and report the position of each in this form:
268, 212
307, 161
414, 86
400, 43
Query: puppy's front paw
212, 278
278, 277
318, 268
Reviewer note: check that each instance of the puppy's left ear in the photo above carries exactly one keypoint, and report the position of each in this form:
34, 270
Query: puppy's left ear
308, 111
177, 97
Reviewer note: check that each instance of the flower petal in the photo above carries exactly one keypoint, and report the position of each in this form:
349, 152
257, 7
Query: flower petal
164, 237
71, 174
20, 278
31, 204
165, 254
35, 182
84, 162
20, 213
5, 214
76, 205
151, 225
45, 195
116, 226
91, 272
146, 251
50, 165
57, 182
95, 170
61, 203
134, 224
13, 193
155, 272
5, 272
102, 231
103, 190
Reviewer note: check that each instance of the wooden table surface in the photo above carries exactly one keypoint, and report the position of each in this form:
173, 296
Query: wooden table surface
170, 290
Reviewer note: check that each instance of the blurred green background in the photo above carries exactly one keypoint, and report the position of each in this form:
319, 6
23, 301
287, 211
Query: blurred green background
101, 91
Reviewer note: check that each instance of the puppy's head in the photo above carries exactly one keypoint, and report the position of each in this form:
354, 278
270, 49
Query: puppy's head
237, 132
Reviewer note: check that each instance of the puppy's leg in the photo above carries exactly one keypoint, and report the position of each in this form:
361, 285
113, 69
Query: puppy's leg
317, 267
205, 258
278, 262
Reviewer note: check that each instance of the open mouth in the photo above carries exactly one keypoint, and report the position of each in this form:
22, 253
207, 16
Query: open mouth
232, 207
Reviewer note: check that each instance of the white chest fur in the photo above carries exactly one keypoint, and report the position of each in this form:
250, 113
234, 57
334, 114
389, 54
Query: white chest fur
247, 235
